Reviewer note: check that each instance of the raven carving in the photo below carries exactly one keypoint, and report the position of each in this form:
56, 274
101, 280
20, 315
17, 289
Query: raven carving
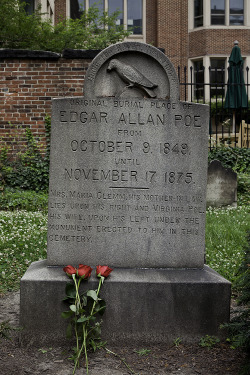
132, 77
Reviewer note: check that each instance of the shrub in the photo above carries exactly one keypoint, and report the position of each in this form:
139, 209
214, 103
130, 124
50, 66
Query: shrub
236, 158
12, 199
30, 168
22, 31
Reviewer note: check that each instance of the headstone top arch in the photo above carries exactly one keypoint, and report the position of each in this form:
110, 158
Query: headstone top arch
131, 70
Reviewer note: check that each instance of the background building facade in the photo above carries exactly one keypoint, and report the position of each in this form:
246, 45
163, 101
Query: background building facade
193, 33
197, 36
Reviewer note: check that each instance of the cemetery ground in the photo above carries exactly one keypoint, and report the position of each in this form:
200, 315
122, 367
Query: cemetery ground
23, 240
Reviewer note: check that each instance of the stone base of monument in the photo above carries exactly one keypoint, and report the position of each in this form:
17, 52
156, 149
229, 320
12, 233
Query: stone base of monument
143, 305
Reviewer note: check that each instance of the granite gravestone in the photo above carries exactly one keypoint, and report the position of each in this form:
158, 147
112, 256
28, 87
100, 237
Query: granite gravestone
221, 185
128, 181
128, 167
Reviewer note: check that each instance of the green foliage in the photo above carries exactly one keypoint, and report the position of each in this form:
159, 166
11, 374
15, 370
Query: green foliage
21, 31
84, 307
243, 283
209, 341
239, 327
23, 240
243, 188
44, 351
15, 199
5, 328
30, 168
4, 169
236, 158
226, 231
177, 342
47, 124
143, 352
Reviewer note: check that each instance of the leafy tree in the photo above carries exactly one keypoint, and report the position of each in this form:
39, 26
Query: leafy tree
93, 30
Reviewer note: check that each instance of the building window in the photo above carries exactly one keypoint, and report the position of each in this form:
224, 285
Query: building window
97, 4
134, 19
131, 11
30, 6
198, 80
218, 12
198, 13
114, 5
217, 77
76, 8
236, 12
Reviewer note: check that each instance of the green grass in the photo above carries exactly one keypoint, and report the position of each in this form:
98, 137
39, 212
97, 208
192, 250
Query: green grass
226, 237
23, 240
16, 199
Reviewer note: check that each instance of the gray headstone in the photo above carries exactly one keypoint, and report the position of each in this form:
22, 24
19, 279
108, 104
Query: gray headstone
128, 167
128, 183
221, 185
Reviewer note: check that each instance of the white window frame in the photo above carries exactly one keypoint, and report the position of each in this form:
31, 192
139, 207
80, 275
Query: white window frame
142, 37
225, 59
207, 16
47, 8
207, 63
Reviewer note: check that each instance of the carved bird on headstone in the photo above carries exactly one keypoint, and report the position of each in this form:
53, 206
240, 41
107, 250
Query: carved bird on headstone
133, 77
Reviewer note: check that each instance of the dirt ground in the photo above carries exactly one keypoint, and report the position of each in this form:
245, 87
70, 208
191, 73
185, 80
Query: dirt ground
184, 359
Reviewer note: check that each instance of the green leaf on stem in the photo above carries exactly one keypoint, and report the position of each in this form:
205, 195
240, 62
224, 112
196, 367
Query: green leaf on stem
97, 330
67, 314
100, 307
93, 345
82, 319
84, 300
72, 308
70, 290
92, 294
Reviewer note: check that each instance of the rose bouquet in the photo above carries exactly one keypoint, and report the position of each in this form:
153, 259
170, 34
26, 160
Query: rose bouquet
83, 309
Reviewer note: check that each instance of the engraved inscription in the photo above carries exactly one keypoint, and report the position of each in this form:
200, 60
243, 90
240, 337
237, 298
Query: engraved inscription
126, 177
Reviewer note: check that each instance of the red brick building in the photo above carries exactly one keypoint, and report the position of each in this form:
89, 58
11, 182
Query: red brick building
193, 33
187, 30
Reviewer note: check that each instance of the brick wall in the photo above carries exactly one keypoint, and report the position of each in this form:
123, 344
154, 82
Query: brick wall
218, 42
172, 19
59, 10
172, 30
151, 22
26, 89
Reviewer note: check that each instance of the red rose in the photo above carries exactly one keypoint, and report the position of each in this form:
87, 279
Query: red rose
84, 271
70, 270
103, 271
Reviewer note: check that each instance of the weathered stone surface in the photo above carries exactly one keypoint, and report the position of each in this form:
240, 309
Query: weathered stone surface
127, 182
221, 185
128, 168
153, 305
148, 60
